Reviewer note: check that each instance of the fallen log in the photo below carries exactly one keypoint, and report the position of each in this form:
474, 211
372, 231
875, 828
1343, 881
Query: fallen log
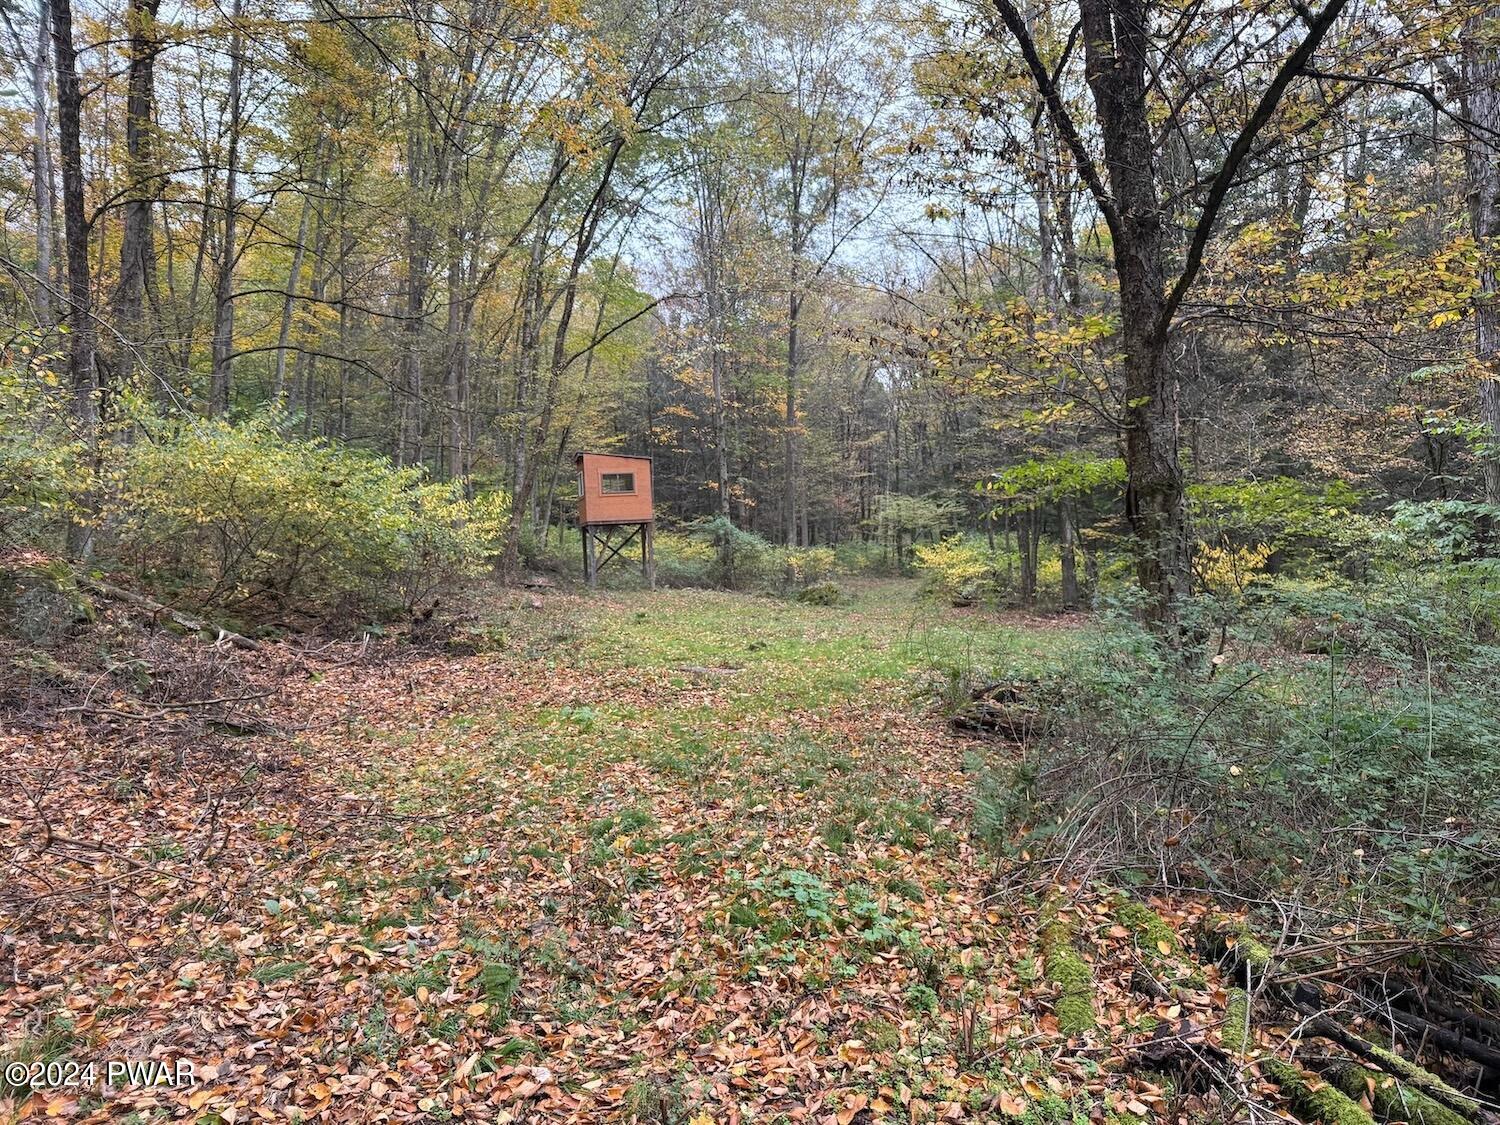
1234, 941
1486, 1026
1391, 1099
1315, 1101
1409, 1073
176, 616
1006, 708
1416, 1026
1068, 973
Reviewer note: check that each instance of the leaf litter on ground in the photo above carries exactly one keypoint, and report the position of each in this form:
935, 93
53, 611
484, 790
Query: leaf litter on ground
565, 881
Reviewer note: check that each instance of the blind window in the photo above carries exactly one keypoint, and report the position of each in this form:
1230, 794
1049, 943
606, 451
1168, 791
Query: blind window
617, 484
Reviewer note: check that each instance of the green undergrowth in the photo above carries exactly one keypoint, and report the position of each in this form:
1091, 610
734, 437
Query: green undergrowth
1365, 778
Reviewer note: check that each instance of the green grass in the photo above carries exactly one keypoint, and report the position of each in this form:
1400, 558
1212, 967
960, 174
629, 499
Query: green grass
277, 971
775, 653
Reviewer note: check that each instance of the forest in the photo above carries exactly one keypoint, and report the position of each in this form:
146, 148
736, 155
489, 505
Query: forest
1055, 676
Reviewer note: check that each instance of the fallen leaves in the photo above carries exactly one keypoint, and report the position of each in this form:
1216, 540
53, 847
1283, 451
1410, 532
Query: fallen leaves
552, 888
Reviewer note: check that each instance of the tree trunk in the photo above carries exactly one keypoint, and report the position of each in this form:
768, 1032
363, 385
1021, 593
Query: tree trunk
293, 279
1068, 555
42, 158
529, 346
1026, 544
1481, 105
721, 429
137, 245
456, 373
408, 392
713, 238
789, 443
81, 372
221, 377
82, 377
1116, 46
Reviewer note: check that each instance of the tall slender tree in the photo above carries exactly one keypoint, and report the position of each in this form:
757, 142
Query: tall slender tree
142, 177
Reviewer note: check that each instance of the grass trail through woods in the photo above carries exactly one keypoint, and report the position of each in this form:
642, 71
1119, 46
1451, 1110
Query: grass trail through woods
681, 856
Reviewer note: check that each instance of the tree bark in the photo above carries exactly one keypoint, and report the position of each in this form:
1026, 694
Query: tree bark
712, 241
82, 376
789, 437
41, 147
585, 239
222, 374
529, 346
408, 392
1481, 106
1026, 546
294, 278
137, 243
1068, 554
1115, 51
1116, 37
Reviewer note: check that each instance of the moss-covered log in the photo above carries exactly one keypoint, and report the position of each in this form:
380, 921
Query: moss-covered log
1315, 1102
1152, 934
1390, 1098
1225, 937
1069, 973
1410, 1074
1236, 1034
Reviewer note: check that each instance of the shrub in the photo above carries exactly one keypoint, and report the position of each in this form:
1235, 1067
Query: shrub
43, 471
959, 570
242, 517
683, 559
866, 556
741, 558
807, 566
822, 593
1363, 784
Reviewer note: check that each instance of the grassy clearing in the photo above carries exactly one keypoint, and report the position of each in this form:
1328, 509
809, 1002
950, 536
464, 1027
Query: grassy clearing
667, 854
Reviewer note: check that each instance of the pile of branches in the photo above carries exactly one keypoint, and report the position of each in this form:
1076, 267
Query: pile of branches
1368, 1045
1009, 709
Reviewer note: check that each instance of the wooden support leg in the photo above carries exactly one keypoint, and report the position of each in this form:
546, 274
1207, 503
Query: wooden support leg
590, 560
648, 555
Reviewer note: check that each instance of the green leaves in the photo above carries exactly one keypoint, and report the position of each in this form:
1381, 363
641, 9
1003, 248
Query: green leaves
244, 515
1047, 480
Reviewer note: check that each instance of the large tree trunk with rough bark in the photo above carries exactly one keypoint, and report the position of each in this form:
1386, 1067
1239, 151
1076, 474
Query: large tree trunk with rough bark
1116, 46
82, 376
1117, 43
81, 337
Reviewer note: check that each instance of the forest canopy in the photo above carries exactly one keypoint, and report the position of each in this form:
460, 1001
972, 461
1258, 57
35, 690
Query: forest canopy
809, 260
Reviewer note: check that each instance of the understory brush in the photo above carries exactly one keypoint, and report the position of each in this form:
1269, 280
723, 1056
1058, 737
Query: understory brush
237, 516
245, 520
966, 570
1339, 756
715, 553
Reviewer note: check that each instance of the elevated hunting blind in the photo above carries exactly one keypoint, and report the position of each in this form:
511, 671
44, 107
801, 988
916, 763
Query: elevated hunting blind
614, 495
